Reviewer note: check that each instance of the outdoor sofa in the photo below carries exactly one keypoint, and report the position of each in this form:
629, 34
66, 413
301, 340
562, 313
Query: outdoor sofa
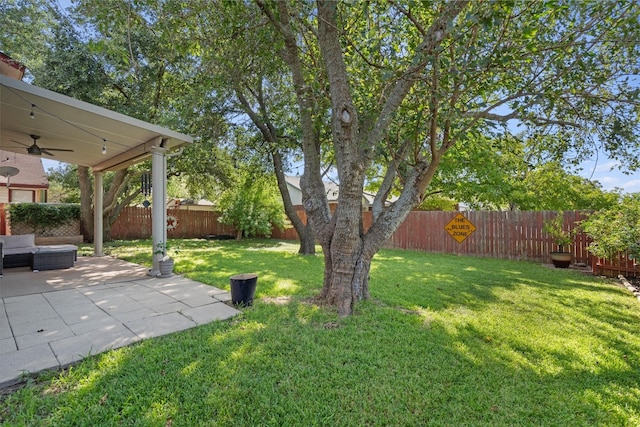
22, 251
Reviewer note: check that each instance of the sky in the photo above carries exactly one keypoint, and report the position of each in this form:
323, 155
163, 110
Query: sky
601, 171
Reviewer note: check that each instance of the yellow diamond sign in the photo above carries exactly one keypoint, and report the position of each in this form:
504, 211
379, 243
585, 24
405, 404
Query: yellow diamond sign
460, 228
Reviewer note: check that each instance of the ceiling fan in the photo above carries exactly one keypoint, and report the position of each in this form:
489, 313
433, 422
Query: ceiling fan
36, 150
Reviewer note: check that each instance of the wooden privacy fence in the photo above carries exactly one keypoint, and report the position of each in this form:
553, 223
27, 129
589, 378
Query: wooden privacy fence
135, 223
502, 234
514, 235
498, 234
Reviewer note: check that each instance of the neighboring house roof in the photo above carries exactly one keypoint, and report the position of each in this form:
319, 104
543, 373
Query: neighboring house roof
176, 202
10, 67
30, 170
332, 189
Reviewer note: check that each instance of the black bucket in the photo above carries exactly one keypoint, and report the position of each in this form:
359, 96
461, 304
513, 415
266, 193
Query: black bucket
243, 288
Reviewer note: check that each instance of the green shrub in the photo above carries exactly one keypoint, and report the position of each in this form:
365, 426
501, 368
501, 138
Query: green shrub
42, 216
437, 202
616, 230
563, 237
254, 207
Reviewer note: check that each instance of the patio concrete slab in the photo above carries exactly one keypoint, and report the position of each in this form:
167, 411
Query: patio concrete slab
129, 316
99, 327
7, 345
5, 329
152, 298
51, 319
160, 324
15, 365
205, 314
43, 336
36, 326
76, 348
67, 298
168, 308
82, 314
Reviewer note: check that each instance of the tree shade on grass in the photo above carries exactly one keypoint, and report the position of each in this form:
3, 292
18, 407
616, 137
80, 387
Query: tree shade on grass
444, 340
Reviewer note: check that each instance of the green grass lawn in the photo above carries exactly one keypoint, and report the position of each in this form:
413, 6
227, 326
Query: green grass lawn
445, 340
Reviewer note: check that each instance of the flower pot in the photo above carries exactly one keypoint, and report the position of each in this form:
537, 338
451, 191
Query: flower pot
561, 259
166, 268
243, 288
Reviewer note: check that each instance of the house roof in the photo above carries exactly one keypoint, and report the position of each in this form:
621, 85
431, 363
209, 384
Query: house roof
332, 189
30, 170
62, 122
11, 67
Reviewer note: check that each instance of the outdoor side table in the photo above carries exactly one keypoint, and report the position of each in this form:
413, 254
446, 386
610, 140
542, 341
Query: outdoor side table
54, 257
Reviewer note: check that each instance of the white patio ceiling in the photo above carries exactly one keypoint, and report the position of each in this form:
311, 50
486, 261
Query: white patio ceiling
67, 123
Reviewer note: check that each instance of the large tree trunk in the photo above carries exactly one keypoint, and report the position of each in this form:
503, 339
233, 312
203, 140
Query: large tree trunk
114, 201
347, 250
351, 250
307, 240
346, 270
346, 283
86, 203
305, 231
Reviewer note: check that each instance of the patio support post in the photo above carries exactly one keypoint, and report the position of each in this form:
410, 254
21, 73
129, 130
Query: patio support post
159, 201
98, 208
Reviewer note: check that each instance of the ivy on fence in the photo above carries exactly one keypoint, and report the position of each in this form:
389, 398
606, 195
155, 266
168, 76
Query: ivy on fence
41, 216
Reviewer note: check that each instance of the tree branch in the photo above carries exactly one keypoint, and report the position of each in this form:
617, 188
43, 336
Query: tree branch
540, 121
437, 32
410, 17
311, 182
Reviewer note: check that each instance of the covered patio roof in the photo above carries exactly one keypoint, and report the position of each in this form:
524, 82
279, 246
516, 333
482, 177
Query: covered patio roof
62, 122
91, 136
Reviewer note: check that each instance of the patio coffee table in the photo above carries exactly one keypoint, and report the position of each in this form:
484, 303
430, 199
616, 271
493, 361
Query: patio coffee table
54, 257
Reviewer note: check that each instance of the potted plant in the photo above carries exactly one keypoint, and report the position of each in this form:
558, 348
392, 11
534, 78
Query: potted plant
562, 238
165, 263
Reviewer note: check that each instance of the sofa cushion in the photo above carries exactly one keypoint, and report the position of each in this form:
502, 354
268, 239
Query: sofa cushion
18, 244
14, 251
18, 241
56, 248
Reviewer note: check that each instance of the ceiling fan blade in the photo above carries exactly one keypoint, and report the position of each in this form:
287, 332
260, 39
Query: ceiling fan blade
18, 142
56, 149
36, 150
